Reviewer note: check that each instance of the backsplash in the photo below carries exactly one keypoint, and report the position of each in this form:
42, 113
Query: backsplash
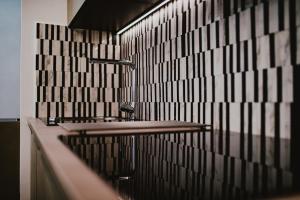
67, 84
231, 64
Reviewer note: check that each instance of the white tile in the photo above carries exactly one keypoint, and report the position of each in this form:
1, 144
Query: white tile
273, 16
282, 48
219, 88
42, 109
238, 87
235, 116
200, 14
256, 118
208, 16
263, 52
297, 11
272, 85
65, 94
42, 31
285, 120
245, 25
250, 86
222, 33
48, 62
204, 38
287, 84
78, 35
270, 120
259, 20
193, 17
298, 46
213, 40
234, 57
65, 51
208, 63
55, 47
232, 28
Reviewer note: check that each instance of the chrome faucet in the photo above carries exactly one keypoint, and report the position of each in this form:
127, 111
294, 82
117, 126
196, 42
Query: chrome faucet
127, 107
111, 61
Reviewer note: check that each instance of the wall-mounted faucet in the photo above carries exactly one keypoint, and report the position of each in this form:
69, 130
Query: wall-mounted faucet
113, 62
128, 107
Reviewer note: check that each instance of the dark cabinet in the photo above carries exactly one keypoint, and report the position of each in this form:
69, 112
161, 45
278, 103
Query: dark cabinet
106, 15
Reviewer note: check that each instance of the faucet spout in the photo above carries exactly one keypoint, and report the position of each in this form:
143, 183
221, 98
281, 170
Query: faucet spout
113, 62
124, 107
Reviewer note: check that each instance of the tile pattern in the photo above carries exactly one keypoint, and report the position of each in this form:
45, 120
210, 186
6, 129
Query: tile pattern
67, 84
99, 153
232, 64
183, 166
180, 166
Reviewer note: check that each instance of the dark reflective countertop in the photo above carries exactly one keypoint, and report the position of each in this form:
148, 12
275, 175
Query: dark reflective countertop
190, 165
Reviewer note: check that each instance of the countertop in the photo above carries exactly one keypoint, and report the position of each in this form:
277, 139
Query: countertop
77, 180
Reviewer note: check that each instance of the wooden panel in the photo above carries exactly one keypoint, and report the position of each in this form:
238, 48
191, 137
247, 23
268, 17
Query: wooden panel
46, 184
59, 173
33, 165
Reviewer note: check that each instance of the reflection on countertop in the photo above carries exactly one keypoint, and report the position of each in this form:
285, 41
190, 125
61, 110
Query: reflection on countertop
190, 165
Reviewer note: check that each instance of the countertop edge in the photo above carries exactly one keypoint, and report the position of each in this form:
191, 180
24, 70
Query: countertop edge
75, 178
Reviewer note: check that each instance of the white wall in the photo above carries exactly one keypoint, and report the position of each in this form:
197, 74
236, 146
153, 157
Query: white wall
33, 11
73, 7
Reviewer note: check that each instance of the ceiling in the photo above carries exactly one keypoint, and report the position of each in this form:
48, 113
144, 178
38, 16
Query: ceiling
110, 15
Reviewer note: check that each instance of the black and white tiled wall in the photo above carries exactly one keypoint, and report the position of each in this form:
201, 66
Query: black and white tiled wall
67, 84
232, 64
